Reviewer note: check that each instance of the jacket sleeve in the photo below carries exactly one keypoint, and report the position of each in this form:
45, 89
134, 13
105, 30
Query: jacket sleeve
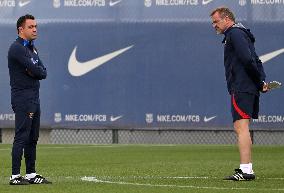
43, 70
248, 58
33, 66
260, 68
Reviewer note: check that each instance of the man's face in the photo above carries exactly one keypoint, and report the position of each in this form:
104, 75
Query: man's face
220, 24
29, 30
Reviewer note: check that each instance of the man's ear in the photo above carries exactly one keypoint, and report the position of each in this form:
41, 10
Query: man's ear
20, 29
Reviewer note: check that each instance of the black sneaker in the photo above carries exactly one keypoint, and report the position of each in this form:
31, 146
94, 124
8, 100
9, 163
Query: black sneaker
38, 179
19, 181
240, 176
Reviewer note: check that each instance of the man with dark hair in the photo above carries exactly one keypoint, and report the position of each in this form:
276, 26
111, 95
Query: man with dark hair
245, 79
25, 69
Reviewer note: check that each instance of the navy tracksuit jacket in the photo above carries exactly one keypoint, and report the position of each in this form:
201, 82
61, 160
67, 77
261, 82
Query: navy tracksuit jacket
243, 69
25, 69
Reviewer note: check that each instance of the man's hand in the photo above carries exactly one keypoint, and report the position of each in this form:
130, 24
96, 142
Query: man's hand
265, 87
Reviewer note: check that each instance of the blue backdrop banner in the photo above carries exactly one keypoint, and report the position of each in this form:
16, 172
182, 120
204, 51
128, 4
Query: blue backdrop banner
146, 63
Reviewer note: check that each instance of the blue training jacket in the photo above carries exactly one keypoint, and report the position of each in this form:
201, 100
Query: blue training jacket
25, 69
243, 68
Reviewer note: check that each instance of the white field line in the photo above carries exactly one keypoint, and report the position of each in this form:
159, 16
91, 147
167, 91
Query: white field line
157, 177
175, 177
172, 177
94, 179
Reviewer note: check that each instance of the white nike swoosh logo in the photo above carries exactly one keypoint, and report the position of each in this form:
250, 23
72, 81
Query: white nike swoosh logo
112, 119
209, 118
266, 57
205, 2
113, 3
22, 4
77, 68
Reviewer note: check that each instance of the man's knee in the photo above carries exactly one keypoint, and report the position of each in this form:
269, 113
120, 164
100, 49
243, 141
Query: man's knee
241, 126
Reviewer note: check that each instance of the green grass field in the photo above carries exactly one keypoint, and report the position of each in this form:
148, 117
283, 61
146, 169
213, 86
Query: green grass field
147, 169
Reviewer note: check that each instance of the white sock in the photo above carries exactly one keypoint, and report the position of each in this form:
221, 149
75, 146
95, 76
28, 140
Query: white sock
15, 176
251, 169
246, 168
31, 175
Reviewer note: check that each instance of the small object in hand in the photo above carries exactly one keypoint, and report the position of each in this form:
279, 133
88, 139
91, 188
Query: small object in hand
274, 85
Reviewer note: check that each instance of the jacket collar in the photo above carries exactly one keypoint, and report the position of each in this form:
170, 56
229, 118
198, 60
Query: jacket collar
25, 42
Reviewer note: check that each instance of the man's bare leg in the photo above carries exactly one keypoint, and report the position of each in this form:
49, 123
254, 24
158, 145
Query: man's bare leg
245, 171
244, 140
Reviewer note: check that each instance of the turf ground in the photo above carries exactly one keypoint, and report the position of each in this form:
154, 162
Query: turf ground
147, 169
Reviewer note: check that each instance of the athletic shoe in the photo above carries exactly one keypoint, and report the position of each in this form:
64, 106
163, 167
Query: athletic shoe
19, 181
38, 179
240, 176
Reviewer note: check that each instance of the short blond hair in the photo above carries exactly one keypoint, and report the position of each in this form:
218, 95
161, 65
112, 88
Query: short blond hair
224, 12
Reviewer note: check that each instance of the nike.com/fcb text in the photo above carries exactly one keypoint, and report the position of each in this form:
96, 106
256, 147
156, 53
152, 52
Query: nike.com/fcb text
7, 117
267, 2
269, 119
176, 2
178, 118
76, 117
84, 3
